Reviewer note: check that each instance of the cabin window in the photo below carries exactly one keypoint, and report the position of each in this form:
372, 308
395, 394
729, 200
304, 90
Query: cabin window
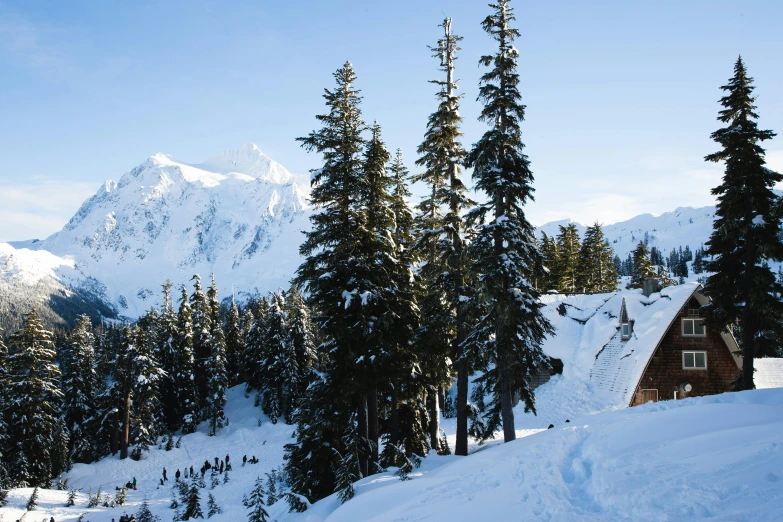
693, 327
694, 360
649, 396
626, 330
693, 312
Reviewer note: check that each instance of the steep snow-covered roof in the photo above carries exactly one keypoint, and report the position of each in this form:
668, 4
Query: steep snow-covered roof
769, 373
589, 343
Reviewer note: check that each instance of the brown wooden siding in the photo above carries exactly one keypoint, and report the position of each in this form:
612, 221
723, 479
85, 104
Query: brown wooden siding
666, 374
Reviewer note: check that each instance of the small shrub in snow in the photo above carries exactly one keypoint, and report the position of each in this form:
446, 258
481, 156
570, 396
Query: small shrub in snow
33, 501
255, 502
214, 482
144, 514
174, 502
81, 517
71, 498
122, 494
212, 507
225, 477
193, 502
170, 442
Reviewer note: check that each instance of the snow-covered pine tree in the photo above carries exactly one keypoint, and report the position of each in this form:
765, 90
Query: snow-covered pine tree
145, 514
121, 388
441, 246
192, 501
407, 386
32, 389
32, 502
256, 319
277, 361
334, 275
596, 266
145, 390
5, 481
186, 368
168, 357
568, 248
218, 377
235, 345
255, 503
302, 341
746, 230
80, 386
212, 507
550, 280
506, 255
642, 267
202, 343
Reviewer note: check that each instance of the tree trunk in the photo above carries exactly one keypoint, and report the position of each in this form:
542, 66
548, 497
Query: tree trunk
461, 446
432, 407
372, 428
394, 422
441, 398
363, 436
506, 401
748, 326
115, 434
125, 428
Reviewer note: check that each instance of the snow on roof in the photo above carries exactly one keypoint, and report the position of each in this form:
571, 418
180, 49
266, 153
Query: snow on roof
769, 373
589, 343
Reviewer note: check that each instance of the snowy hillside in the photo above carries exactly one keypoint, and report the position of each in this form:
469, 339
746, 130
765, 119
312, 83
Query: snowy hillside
36, 278
708, 458
239, 215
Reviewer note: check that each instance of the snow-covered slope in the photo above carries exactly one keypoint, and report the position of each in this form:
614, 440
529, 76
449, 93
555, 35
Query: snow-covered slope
238, 215
708, 458
51, 284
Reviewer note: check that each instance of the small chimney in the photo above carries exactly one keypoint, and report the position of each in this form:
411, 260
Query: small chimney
650, 285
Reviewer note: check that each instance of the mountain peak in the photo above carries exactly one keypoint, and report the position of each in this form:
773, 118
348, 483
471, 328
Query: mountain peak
249, 160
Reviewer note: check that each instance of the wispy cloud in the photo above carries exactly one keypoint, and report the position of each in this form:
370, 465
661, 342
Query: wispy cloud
23, 41
40, 207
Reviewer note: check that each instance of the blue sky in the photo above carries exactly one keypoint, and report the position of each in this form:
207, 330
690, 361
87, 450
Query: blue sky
621, 96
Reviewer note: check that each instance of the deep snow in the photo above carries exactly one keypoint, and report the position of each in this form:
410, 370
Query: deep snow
707, 458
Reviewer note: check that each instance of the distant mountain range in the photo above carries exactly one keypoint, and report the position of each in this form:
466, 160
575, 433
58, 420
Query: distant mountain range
239, 215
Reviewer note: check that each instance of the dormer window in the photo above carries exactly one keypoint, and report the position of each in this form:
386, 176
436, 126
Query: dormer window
625, 331
693, 312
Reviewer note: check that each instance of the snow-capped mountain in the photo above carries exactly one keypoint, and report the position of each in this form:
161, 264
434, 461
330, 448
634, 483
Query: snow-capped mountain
238, 215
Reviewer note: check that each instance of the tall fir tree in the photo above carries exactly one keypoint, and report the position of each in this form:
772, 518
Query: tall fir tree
568, 248
442, 244
168, 357
33, 388
255, 502
5, 479
302, 339
512, 327
80, 389
147, 378
235, 345
202, 343
332, 275
642, 266
187, 395
217, 382
550, 279
746, 232
596, 271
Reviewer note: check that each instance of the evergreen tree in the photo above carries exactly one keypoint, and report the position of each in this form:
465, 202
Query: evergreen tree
597, 272
80, 387
144, 514
32, 502
217, 377
255, 503
335, 275
5, 481
746, 230
121, 388
212, 507
302, 341
568, 248
33, 388
235, 346
186, 375
193, 501
255, 327
642, 267
549, 249
442, 245
406, 385
147, 379
278, 363
512, 328
202, 343
168, 357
